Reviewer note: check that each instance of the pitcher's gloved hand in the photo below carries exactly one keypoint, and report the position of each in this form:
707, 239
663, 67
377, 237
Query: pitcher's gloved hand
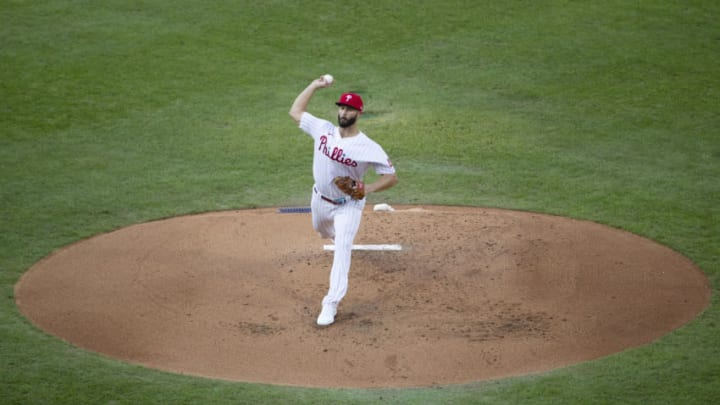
351, 187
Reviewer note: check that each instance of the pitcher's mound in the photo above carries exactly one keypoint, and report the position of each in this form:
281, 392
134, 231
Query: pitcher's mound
474, 294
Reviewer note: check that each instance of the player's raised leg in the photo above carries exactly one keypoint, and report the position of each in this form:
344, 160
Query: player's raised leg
322, 216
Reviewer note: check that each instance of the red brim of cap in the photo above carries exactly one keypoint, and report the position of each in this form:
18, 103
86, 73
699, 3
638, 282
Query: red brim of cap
349, 105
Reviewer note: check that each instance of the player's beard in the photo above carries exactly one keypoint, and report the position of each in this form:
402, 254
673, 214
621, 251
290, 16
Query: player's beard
346, 122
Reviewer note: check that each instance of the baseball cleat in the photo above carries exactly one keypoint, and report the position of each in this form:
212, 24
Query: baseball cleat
327, 316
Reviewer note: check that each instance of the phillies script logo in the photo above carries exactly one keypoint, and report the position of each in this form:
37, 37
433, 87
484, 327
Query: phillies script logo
336, 154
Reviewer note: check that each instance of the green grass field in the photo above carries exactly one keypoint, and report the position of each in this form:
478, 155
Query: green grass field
119, 112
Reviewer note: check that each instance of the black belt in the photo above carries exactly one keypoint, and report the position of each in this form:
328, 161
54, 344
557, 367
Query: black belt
339, 201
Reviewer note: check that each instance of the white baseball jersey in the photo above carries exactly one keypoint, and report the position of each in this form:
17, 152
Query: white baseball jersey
337, 156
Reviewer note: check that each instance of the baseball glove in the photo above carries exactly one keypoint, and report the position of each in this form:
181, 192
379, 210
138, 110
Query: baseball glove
353, 188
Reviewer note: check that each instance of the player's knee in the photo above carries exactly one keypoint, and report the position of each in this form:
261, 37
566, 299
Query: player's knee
343, 243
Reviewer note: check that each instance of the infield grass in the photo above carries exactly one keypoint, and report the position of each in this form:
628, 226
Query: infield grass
119, 112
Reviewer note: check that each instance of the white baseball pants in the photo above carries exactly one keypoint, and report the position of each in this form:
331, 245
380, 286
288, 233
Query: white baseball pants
340, 223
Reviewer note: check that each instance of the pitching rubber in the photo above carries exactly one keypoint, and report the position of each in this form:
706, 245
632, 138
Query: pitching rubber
368, 247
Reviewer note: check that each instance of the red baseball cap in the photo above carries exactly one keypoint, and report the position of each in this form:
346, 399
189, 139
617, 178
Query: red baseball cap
351, 100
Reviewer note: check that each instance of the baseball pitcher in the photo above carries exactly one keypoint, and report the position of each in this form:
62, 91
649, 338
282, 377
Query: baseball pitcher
342, 155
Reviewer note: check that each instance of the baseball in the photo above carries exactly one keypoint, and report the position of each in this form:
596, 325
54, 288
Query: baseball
328, 78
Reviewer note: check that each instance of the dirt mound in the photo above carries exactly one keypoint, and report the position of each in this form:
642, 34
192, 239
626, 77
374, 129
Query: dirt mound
474, 294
